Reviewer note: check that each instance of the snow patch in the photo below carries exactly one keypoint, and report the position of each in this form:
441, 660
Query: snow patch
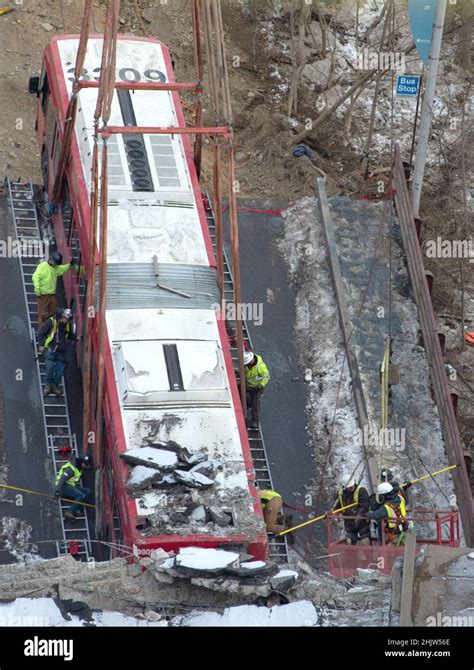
297, 614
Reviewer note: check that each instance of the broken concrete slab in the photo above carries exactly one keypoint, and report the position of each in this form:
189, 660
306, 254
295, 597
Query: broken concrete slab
165, 481
206, 468
193, 479
253, 570
142, 477
169, 445
284, 580
153, 457
210, 560
192, 459
219, 517
197, 513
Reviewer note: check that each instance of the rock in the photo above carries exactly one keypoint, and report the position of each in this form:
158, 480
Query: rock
134, 570
193, 480
317, 36
47, 26
207, 468
141, 477
219, 517
192, 459
166, 481
198, 514
318, 73
284, 580
367, 576
147, 15
160, 555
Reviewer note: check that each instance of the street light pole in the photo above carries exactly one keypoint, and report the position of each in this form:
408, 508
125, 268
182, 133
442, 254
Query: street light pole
427, 106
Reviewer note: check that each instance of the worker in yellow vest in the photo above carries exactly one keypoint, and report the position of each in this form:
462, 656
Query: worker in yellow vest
357, 530
52, 339
67, 486
45, 279
392, 512
272, 503
256, 378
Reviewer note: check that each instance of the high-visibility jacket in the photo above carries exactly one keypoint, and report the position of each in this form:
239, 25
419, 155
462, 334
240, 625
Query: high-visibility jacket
355, 498
266, 496
45, 277
395, 514
52, 337
75, 477
257, 376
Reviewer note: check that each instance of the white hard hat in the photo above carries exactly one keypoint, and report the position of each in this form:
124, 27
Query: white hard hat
350, 483
67, 313
384, 487
248, 357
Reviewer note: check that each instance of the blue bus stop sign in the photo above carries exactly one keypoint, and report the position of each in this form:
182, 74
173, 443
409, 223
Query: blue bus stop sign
408, 85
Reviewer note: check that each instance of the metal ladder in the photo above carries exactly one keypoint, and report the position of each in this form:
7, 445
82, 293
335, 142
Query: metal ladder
278, 547
55, 409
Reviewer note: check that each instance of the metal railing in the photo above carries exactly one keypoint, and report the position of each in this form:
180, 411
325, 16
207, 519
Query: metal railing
429, 328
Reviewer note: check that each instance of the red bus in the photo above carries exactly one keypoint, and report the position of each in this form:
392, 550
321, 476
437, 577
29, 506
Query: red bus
177, 469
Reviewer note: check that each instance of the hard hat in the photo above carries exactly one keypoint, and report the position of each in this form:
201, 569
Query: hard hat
350, 483
56, 257
248, 357
67, 313
83, 461
386, 475
384, 488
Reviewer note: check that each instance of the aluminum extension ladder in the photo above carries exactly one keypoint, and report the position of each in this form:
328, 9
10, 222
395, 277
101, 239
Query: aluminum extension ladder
278, 547
57, 427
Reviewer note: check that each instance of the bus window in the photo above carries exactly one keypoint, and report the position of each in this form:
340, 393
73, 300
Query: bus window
44, 92
50, 128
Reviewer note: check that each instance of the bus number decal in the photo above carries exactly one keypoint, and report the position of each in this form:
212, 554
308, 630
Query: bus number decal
128, 74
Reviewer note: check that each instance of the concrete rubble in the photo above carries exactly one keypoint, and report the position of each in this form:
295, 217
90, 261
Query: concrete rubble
197, 579
182, 477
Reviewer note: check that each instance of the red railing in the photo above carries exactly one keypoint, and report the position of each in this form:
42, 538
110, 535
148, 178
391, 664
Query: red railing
429, 328
344, 559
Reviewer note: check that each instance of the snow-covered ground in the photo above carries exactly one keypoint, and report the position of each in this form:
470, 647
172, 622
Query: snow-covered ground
332, 422
301, 613
45, 612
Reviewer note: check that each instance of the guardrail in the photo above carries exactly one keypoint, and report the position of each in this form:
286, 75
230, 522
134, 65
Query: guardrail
429, 328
